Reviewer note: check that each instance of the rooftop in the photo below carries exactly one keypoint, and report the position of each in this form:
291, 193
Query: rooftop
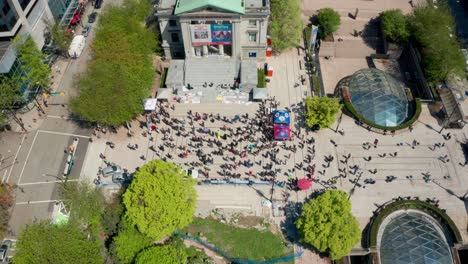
236, 6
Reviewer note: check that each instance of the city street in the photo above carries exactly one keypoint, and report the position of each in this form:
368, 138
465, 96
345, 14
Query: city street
35, 161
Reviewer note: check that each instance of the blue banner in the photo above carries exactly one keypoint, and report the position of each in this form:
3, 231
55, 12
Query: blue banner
221, 34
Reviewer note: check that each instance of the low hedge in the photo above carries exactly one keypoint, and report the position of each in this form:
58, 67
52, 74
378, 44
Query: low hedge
428, 208
349, 106
261, 79
162, 83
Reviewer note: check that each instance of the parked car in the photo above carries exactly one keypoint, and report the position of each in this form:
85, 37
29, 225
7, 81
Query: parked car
97, 4
4, 248
92, 17
111, 170
85, 31
118, 177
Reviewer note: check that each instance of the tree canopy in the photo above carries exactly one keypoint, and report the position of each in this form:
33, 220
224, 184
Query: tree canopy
395, 25
327, 224
162, 255
433, 30
129, 242
121, 72
328, 21
9, 97
160, 199
44, 242
321, 111
85, 202
286, 24
32, 61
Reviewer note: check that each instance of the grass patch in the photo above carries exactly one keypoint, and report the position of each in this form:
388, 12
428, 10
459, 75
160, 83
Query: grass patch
261, 79
162, 83
242, 243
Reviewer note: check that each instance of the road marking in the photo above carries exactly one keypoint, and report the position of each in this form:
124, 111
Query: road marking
44, 182
63, 134
65, 118
16, 156
37, 202
4, 175
27, 157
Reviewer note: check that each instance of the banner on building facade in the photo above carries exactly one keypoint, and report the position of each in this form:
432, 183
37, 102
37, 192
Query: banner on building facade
221, 34
201, 34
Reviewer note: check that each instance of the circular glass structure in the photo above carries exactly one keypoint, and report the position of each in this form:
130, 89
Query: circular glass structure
378, 97
413, 238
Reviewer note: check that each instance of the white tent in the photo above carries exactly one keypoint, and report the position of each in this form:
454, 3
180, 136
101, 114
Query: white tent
77, 46
150, 104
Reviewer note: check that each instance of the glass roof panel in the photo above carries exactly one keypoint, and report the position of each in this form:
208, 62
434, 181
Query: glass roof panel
378, 97
411, 239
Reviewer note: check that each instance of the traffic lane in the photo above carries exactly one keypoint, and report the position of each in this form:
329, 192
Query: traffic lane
49, 155
26, 214
66, 125
39, 192
45, 159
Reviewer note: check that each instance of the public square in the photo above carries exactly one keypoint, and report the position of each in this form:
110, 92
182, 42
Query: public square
410, 164
241, 168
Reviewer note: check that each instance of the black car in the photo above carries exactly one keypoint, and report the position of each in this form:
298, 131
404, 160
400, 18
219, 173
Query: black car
97, 4
4, 248
92, 17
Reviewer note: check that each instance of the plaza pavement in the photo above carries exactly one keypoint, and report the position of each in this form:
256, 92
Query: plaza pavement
408, 161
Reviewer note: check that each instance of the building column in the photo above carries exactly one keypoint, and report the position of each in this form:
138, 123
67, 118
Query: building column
221, 49
236, 40
205, 51
186, 38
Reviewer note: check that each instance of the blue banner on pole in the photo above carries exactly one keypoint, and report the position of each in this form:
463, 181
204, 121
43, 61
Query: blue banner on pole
313, 36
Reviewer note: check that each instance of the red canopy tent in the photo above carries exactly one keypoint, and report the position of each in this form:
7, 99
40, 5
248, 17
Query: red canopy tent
281, 131
304, 184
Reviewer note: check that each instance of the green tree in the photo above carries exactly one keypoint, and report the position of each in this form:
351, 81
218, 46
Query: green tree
121, 72
85, 203
327, 224
60, 38
395, 25
160, 199
433, 31
129, 242
9, 99
328, 21
321, 111
286, 24
162, 255
44, 242
32, 62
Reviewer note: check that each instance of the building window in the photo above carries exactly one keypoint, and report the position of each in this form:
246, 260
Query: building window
172, 23
6, 8
253, 36
175, 37
252, 22
24, 3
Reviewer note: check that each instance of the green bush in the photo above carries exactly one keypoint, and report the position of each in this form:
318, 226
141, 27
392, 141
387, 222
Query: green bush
261, 79
329, 21
349, 106
431, 209
395, 25
433, 32
162, 83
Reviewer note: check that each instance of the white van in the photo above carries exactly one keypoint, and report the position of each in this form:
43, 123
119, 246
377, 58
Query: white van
77, 46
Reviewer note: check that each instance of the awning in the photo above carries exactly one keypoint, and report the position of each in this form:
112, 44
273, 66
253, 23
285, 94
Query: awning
260, 93
281, 117
304, 184
164, 94
150, 104
281, 131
